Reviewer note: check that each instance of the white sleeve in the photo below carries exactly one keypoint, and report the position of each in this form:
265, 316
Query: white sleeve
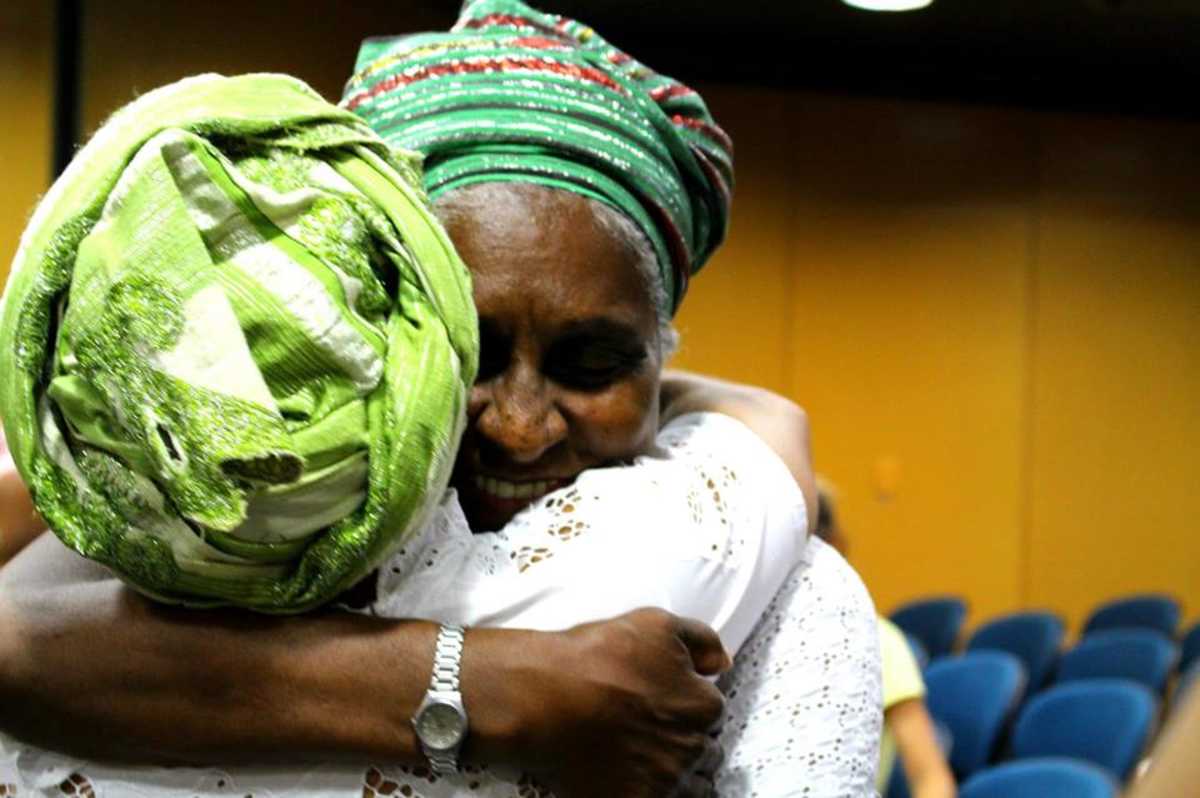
708, 525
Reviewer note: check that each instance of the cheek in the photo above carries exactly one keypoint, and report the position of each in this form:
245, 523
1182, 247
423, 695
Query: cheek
616, 423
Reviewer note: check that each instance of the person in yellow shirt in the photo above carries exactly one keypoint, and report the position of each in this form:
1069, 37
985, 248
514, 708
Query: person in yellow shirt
908, 729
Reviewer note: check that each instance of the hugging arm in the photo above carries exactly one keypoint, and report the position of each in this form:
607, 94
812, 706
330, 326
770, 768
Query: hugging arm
89, 667
614, 705
707, 524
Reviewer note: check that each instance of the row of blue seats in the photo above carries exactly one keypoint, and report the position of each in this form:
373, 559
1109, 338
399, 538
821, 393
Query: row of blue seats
1101, 725
1141, 655
1079, 740
1140, 629
1106, 722
1081, 737
1049, 777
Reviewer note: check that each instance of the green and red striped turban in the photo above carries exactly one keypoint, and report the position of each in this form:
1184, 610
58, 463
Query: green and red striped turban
512, 94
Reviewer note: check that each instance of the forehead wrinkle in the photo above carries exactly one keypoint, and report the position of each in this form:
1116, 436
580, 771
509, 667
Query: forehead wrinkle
541, 258
559, 306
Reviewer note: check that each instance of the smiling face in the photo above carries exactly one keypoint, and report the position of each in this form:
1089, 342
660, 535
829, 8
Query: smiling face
570, 356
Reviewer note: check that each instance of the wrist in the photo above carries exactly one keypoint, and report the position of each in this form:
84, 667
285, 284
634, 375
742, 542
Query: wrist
441, 722
505, 677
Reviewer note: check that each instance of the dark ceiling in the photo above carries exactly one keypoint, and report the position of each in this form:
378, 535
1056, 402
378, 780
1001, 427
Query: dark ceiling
1136, 56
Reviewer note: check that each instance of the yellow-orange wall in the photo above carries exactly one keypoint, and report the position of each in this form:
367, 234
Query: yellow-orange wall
1115, 400
993, 318
992, 315
25, 80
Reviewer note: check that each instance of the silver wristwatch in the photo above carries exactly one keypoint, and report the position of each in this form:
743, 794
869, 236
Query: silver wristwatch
441, 720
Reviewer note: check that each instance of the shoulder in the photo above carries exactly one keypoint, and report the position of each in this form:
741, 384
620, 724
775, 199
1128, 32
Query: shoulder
710, 468
837, 591
763, 420
707, 481
705, 439
822, 611
804, 691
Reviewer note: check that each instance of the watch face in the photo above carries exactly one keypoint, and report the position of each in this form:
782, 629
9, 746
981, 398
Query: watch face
441, 726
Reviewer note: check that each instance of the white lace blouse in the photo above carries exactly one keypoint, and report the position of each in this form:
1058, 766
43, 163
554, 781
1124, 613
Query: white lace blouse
708, 525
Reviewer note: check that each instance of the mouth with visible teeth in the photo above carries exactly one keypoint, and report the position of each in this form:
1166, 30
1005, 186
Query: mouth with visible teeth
490, 502
515, 491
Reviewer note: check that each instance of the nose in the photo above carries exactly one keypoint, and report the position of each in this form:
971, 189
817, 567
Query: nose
515, 411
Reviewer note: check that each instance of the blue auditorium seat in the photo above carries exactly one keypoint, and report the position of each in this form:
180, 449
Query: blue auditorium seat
1103, 721
1032, 637
973, 695
1051, 777
1149, 610
1142, 655
935, 622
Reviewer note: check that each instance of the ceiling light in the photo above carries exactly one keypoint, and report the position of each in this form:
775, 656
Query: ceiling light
888, 5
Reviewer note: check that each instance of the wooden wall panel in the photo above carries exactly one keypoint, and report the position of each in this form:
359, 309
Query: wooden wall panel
737, 318
132, 46
1116, 406
911, 229
26, 83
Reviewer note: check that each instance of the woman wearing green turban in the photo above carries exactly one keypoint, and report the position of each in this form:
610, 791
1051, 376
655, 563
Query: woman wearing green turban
582, 190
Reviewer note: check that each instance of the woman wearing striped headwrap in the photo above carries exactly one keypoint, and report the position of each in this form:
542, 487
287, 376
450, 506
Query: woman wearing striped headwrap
582, 190
516, 96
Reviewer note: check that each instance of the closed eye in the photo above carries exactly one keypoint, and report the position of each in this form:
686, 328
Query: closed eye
594, 356
495, 351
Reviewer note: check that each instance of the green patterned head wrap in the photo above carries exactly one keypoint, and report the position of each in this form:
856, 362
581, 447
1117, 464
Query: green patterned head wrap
512, 94
236, 347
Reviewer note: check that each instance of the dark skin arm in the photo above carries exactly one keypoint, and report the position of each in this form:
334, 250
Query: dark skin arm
87, 666
151, 668
607, 708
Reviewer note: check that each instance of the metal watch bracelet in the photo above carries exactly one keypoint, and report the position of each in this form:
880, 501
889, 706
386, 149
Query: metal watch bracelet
447, 659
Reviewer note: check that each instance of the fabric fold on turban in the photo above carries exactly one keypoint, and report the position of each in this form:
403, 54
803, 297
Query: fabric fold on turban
512, 94
236, 347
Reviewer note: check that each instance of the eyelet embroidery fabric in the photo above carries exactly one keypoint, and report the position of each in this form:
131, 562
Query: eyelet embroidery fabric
804, 694
707, 525
803, 712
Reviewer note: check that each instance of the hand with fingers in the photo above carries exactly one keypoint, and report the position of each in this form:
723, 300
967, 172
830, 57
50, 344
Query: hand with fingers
633, 713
